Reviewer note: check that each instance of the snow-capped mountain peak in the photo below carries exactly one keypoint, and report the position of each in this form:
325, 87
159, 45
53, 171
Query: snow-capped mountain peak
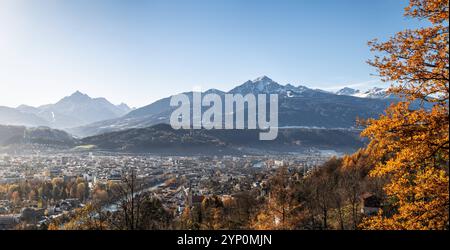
302, 88
265, 85
76, 97
347, 91
259, 85
298, 106
374, 92
263, 79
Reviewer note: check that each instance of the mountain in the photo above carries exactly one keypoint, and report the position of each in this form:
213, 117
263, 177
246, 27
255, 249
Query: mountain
265, 85
162, 138
11, 116
28, 109
82, 109
124, 107
17, 135
348, 91
374, 93
75, 110
298, 107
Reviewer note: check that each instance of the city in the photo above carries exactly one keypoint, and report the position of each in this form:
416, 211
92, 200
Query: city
177, 181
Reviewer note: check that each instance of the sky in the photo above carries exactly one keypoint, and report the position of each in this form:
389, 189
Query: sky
139, 51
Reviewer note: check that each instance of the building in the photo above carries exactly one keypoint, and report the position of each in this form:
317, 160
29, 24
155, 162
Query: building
8, 221
370, 204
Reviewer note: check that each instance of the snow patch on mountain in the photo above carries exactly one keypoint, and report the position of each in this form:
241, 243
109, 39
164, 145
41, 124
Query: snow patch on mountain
348, 91
374, 93
265, 85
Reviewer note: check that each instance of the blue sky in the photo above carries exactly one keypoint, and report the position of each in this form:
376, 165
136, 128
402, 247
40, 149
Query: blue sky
139, 51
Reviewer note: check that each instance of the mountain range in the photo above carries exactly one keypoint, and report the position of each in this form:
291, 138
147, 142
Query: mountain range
162, 138
308, 118
299, 106
12, 116
375, 92
75, 110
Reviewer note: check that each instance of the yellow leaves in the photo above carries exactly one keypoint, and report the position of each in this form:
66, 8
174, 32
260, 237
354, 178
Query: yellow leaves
422, 9
264, 222
412, 146
86, 219
53, 226
418, 58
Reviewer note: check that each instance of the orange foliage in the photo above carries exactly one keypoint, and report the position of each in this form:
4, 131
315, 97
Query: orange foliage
412, 146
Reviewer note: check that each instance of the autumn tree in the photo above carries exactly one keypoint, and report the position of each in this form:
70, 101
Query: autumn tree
138, 209
15, 197
212, 209
90, 217
412, 144
281, 210
32, 195
353, 177
154, 216
81, 191
240, 209
130, 206
100, 195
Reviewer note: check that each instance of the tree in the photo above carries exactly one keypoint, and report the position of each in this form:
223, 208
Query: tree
212, 208
153, 215
128, 215
282, 207
32, 196
100, 195
412, 145
353, 180
81, 191
73, 190
15, 197
240, 209
89, 217
138, 209
186, 221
